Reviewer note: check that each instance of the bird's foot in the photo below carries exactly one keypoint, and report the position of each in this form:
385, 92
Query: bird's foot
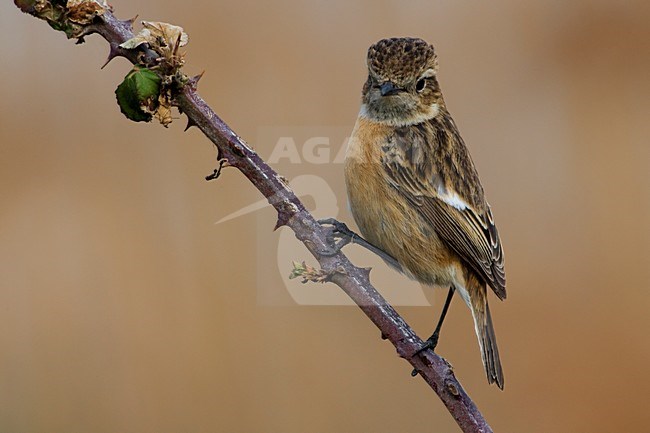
338, 231
430, 343
346, 236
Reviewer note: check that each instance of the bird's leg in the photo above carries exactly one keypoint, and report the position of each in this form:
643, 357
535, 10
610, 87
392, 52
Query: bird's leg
432, 341
340, 230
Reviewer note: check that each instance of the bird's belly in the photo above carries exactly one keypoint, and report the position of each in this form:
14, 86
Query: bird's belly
389, 221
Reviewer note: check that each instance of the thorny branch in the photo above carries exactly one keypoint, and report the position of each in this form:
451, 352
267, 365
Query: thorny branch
94, 16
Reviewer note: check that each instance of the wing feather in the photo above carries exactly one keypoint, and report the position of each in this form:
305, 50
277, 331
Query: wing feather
461, 218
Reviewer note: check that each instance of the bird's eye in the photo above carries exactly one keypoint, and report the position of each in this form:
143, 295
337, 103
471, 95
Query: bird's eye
421, 84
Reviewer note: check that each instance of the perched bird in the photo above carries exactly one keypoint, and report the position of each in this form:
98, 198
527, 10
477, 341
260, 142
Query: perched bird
414, 191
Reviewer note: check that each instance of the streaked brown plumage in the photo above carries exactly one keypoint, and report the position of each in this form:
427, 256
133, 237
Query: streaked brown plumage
413, 188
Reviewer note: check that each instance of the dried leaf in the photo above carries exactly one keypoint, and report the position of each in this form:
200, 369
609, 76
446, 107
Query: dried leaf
141, 38
25, 5
163, 38
170, 33
84, 11
45, 10
164, 111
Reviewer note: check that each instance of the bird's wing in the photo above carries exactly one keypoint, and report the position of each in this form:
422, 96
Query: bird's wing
461, 218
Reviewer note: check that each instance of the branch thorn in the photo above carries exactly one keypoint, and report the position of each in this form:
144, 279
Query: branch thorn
113, 52
366, 272
195, 80
283, 220
190, 123
129, 23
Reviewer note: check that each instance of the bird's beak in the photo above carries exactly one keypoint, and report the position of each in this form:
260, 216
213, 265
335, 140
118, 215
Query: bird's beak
389, 88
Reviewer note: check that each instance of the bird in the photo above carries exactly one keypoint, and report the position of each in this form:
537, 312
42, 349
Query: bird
414, 192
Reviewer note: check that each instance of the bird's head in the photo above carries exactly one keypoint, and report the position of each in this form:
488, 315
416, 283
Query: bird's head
402, 88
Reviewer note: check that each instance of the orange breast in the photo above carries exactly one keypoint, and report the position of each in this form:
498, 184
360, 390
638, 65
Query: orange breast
386, 218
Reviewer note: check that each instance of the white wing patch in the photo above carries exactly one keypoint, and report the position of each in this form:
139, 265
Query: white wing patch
452, 198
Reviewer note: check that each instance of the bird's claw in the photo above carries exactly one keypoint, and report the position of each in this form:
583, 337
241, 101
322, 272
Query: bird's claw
431, 343
337, 227
339, 230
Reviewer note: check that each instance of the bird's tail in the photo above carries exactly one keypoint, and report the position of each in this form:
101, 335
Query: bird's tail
485, 333
489, 350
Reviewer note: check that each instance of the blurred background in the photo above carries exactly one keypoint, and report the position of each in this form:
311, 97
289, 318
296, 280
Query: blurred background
124, 308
